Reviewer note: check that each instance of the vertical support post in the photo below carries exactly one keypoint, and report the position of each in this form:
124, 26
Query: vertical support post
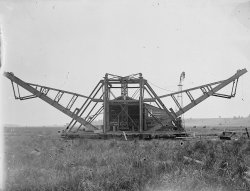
124, 89
14, 90
141, 103
105, 105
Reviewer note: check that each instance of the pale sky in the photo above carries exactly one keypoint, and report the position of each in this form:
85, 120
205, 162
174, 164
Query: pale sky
72, 44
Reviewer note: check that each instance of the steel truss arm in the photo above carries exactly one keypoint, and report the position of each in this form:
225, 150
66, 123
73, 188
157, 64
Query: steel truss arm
212, 92
208, 86
207, 91
42, 91
59, 90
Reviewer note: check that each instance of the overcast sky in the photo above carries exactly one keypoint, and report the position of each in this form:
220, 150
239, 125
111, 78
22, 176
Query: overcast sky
72, 44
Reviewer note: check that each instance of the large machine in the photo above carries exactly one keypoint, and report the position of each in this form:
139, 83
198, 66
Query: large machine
124, 104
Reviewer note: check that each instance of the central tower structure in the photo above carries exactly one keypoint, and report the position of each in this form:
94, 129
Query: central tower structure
125, 113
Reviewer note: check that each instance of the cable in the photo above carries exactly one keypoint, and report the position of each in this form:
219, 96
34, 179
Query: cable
161, 87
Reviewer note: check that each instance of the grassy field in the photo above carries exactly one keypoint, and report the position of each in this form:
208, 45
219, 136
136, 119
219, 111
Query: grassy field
37, 159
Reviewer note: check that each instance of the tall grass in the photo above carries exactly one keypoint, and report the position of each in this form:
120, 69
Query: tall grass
48, 163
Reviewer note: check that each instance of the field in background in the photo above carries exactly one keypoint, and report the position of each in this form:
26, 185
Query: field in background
215, 126
219, 122
38, 159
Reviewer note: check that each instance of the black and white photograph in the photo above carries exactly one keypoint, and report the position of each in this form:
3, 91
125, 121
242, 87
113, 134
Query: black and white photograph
124, 95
